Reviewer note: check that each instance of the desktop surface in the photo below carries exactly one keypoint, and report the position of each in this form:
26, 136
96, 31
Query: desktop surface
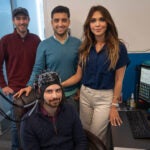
139, 124
122, 136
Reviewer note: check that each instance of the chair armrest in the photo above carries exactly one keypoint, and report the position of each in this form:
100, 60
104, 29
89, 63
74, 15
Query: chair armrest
94, 142
23, 100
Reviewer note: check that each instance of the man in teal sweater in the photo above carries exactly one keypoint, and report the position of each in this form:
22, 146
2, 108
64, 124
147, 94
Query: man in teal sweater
58, 53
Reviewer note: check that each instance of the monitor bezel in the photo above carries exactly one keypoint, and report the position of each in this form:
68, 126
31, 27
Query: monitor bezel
141, 101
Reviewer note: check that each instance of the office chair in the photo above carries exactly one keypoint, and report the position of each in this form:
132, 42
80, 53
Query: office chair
19, 112
24, 100
94, 143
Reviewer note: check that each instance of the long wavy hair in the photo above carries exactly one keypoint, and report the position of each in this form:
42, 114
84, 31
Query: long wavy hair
111, 37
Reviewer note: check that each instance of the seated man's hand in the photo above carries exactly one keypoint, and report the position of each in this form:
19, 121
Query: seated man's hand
25, 90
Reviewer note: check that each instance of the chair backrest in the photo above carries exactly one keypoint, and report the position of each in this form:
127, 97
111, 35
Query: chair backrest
23, 100
94, 142
19, 112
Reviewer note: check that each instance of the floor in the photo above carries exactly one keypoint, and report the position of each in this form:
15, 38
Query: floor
5, 140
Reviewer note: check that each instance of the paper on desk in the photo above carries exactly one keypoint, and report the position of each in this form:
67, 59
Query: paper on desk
120, 148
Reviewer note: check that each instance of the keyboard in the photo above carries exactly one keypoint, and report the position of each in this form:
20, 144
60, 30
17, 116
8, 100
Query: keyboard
138, 124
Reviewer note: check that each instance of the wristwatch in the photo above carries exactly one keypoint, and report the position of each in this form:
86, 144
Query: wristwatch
115, 104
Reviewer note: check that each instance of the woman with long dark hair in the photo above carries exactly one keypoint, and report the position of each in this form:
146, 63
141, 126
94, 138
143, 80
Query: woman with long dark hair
103, 59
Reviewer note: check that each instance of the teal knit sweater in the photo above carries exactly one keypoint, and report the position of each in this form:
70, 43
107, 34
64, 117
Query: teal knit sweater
58, 57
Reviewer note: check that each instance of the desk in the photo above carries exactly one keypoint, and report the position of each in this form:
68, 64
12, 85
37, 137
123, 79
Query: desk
122, 136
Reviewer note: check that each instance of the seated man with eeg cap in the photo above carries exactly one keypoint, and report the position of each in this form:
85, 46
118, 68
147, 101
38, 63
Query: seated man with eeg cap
53, 124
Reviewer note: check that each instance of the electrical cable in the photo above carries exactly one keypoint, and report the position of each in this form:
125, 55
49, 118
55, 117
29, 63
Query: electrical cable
20, 106
9, 101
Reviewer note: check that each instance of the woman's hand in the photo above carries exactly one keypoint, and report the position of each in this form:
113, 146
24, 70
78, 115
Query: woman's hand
26, 90
114, 117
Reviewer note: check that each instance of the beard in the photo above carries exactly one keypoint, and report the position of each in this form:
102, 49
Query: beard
22, 28
53, 103
60, 34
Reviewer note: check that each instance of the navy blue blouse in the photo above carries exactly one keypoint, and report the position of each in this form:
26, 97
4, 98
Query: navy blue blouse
96, 74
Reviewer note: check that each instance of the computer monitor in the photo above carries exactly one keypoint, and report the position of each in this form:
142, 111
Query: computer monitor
144, 85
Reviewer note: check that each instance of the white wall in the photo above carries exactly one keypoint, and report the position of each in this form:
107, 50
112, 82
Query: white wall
35, 8
6, 25
131, 17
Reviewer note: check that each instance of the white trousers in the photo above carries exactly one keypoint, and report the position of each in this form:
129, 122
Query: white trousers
94, 110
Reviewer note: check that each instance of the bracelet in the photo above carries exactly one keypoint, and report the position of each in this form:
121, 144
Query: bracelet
115, 104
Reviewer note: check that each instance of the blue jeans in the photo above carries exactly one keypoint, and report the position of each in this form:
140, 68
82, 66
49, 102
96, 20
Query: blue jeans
14, 130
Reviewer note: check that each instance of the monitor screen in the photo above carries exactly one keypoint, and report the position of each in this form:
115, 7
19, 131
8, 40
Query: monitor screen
144, 83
